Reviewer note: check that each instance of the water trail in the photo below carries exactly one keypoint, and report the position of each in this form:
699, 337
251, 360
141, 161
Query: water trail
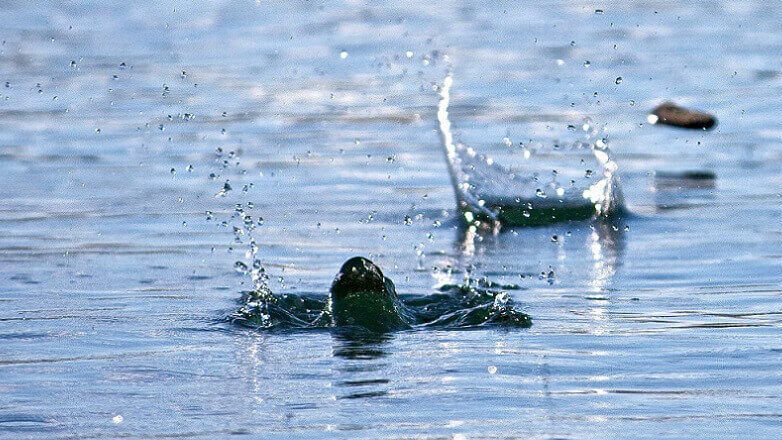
489, 193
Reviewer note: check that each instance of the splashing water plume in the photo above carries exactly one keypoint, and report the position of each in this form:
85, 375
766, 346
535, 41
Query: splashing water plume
490, 194
455, 306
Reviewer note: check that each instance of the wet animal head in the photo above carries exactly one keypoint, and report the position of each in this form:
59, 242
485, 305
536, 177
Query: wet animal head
362, 297
359, 275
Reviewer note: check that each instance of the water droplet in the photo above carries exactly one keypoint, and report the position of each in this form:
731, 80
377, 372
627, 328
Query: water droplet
240, 267
189, 168
117, 419
587, 63
173, 171
409, 54
492, 369
540, 193
226, 189
618, 80
598, 11
97, 130
436, 223
343, 54
408, 221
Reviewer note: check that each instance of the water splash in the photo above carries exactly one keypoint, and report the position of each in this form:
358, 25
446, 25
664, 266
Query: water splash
243, 222
458, 158
469, 305
490, 194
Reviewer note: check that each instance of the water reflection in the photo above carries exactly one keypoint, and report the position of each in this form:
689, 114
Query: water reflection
250, 359
582, 255
603, 243
684, 190
606, 243
360, 345
362, 372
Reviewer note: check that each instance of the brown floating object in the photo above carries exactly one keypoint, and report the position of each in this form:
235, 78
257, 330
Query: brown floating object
669, 113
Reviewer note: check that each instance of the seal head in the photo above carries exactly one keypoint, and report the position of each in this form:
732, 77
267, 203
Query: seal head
359, 275
362, 296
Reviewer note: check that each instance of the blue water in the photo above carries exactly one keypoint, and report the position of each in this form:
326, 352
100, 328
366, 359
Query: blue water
117, 285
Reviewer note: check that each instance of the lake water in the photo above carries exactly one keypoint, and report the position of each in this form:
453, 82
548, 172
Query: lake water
117, 284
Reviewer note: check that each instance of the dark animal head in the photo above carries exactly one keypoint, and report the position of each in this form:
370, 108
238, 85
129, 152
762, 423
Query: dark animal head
359, 275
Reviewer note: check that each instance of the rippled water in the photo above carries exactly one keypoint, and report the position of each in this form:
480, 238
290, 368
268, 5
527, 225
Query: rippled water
117, 283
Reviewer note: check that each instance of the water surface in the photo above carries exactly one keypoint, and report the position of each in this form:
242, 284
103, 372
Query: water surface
118, 259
